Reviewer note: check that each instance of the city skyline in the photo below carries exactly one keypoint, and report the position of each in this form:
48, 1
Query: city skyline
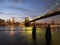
19, 9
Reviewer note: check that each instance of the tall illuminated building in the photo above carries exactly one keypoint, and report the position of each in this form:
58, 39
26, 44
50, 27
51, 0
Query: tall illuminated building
13, 21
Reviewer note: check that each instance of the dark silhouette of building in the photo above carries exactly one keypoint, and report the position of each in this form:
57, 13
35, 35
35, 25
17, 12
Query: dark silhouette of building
17, 24
52, 23
8, 23
45, 24
2, 22
58, 26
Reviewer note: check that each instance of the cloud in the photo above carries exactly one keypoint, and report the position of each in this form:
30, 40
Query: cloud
14, 1
21, 9
1, 12
10, 14
17, 1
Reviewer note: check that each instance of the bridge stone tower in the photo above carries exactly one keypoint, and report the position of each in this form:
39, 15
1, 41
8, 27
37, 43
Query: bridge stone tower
26, 20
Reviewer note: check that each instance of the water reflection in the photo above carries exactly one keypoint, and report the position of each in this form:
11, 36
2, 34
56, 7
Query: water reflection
30, 34
48, 41
13, 36
12, 31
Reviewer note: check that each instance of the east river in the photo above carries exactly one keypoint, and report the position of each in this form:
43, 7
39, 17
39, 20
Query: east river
23, 36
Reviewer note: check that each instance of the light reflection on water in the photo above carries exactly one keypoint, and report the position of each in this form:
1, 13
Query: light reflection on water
23, 36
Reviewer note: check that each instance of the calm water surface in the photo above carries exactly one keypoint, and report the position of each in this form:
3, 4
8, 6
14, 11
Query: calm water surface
23, 36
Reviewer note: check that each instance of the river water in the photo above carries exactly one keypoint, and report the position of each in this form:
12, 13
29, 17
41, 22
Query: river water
23, 36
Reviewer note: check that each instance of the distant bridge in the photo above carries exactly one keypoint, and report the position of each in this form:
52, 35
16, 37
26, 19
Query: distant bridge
57, 12
53, 13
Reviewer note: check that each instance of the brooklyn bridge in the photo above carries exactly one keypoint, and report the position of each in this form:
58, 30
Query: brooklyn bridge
52, 13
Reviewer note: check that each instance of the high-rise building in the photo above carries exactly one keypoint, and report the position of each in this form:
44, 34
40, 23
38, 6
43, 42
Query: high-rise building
52, 22
13, 21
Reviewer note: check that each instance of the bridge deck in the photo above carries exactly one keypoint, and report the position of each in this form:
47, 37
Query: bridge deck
54, 13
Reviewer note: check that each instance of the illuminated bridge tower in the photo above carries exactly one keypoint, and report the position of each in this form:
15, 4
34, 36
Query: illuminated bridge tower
26, 20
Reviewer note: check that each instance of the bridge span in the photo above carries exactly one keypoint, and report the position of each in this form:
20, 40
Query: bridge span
53, 13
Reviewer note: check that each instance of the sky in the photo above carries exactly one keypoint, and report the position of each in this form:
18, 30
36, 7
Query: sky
19, 9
